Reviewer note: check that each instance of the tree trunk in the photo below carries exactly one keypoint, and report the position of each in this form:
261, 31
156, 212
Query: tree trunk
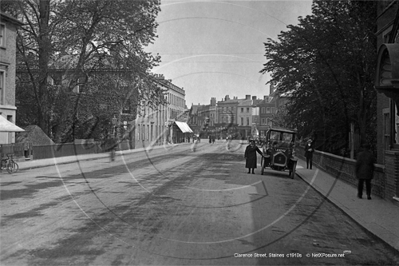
44, 51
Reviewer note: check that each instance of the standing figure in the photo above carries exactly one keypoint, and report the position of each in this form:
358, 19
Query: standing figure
364, 170
250, 156
110, 145
309, 154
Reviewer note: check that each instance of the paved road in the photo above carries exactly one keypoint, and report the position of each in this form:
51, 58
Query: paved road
175, 207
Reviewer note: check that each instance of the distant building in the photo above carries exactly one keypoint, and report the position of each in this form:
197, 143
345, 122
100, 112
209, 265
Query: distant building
213, 119
8, 33
194, 120
248, 116
267, 110
226, 116
202, 118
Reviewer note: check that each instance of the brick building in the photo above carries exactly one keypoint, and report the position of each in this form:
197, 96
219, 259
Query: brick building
267, 110
387, 84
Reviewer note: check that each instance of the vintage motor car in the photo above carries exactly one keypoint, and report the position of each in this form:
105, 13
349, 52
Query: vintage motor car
279, 151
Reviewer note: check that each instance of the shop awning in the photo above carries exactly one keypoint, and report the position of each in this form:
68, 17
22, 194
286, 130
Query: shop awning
183, 127
7, 126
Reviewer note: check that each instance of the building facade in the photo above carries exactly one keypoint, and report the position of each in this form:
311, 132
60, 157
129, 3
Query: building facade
238, 118
202, 119
157, 125
213, 118
267, 110
248, 117
226, 112
387, 84
8, 33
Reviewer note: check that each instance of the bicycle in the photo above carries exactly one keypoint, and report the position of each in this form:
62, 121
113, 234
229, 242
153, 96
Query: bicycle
9, 164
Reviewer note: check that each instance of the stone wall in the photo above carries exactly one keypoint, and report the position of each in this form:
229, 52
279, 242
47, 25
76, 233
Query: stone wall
344, 169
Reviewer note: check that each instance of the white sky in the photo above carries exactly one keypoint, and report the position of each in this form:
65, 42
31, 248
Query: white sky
216, 48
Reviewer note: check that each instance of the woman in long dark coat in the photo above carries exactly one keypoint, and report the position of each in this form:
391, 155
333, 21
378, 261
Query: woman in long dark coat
250, 156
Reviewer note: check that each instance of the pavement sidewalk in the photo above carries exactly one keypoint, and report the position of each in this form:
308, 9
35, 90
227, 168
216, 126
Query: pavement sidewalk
380, 217
30, 164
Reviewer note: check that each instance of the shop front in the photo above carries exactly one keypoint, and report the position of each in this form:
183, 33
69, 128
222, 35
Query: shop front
181, 132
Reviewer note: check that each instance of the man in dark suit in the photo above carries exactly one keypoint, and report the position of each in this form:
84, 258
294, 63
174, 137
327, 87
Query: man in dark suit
364, 170
309, 153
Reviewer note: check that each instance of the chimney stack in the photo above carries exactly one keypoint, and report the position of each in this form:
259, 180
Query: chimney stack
247, 97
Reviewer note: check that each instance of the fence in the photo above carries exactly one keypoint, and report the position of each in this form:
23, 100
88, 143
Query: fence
344, 169
17, 149
24, 150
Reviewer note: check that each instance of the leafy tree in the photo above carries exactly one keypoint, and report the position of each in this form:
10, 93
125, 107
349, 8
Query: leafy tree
94, 46
326, 65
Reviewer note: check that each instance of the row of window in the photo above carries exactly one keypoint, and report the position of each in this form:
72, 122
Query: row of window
147, 112
244, 121
175, 100
264, 121
146, 132
263, 110
227, 119
229, 109
149, 132
267, 110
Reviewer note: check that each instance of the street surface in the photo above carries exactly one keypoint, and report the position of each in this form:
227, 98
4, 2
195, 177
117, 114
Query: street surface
175, 206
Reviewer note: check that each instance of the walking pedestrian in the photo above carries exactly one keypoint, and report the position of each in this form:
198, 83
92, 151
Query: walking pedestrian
364, 170
250, 156
309, 149
109, 145
112, 149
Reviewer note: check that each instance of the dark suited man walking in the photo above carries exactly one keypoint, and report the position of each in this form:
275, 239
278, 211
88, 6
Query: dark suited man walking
309, 149
364, 170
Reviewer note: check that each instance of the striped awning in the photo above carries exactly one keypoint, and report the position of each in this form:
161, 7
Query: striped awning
183, 127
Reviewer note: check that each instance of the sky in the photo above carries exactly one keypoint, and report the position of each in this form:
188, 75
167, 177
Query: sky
215, 48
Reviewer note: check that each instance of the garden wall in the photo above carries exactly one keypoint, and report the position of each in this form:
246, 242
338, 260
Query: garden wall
344, 169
